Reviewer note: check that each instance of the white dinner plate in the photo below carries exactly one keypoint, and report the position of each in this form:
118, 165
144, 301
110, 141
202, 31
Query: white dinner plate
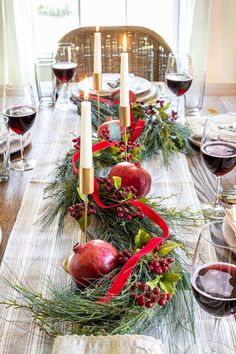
111, 82
196, 126
15, 142
152, 93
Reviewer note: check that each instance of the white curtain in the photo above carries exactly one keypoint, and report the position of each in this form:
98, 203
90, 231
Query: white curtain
185, 25
212, 44
17, 53
199, 40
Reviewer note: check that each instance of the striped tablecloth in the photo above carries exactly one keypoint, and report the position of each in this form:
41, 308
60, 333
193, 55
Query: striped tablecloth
35, 256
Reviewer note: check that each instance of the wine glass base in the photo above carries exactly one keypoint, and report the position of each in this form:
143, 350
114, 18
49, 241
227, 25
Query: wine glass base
204, 348
213, 212
22, 165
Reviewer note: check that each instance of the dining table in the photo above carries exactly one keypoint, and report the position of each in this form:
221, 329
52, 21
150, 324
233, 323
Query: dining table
33, 255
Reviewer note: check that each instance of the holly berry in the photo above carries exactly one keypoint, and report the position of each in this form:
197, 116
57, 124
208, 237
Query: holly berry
123, 256
77, 210
149, 304
161, 301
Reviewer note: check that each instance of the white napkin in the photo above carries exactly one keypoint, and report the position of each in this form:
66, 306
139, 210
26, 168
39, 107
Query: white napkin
119, 344
196, 125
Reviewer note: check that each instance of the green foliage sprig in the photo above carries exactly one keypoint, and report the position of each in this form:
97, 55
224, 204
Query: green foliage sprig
161, 131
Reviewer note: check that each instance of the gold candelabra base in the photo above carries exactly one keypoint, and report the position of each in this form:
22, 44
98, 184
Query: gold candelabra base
124, 114
97, 81
86, 180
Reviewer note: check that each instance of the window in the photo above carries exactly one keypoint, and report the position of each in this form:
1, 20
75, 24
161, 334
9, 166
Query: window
53, 18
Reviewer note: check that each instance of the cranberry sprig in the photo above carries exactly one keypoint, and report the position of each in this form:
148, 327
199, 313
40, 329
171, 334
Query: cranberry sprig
160, 265
77, 210
123, 257
145, 296
129, 215
106, 185
76, 142
104, 134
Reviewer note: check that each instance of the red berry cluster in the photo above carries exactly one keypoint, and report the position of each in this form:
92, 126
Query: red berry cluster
76, 142
76, 210
160, 265
104, 134
108, 185
144, 296
123, 256
174, 115
129, 215
130, 147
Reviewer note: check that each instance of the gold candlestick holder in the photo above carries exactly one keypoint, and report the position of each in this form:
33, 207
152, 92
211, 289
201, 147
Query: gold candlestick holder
86, 187
97, 86
124, 114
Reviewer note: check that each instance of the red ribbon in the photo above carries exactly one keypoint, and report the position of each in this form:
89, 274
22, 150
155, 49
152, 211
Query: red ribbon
129, 266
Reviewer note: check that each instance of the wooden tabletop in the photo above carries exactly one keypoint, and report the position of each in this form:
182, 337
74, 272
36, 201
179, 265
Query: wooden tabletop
12, 191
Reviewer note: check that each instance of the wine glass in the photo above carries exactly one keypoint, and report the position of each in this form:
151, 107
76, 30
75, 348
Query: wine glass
213, 279
64, 67
218, 150
179, 74
19, 106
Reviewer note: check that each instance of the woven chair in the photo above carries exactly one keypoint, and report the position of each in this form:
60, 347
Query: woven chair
147, 50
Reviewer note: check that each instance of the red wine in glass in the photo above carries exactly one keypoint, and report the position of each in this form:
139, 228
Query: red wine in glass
219, 156
214, 288
64, 71
21, 118
178, 83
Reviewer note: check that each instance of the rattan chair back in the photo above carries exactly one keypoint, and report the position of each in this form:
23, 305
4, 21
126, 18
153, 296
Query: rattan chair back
147, 50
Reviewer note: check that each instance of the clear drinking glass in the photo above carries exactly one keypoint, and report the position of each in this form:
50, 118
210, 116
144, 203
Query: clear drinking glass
218, 150
213, 279
64, 67
179, 74
20, 108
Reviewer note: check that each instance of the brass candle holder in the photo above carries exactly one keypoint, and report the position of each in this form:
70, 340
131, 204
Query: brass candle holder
97, 86
86, 187
124, 114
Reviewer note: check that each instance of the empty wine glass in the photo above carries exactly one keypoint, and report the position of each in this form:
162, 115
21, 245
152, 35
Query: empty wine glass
19, 106
218, 150
213, 279
64, 67
179, 74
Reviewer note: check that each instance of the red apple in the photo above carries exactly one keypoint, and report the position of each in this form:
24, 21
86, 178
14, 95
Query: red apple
91, 261
105, 125
132, 174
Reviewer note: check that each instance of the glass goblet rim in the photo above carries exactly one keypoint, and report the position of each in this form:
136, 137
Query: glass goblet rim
207, 225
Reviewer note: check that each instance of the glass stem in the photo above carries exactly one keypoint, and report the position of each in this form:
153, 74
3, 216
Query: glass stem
21, 147
215, 335
218, 188
177, 106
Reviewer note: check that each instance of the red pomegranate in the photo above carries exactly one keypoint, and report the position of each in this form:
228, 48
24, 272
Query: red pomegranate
91, 261
116, 96
132, 174
105, 125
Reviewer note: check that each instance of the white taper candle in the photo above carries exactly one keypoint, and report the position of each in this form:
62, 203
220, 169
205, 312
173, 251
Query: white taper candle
97, 52
86, 155
124, 76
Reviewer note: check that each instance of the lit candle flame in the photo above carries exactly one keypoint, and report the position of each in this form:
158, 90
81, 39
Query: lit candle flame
86, 89
124, 43
97, 28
